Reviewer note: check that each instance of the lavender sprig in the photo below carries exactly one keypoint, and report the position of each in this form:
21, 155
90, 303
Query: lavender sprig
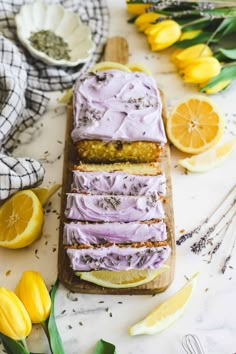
228, 258
226, 227
197, 247
197, 229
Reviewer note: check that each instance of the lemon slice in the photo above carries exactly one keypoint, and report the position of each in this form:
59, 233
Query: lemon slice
209, 159
21, 220
121, 279
195, 125
66, 97
140, 68
108, 65
166, 313
44, 194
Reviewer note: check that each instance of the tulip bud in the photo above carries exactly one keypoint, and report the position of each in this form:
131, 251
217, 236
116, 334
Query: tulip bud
163, 34
144, 21
186, 56
174, 55
33, 293
14, 319
217, 87
201, 70
136, 8
189, 34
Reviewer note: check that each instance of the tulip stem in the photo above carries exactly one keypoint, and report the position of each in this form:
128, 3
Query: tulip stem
229, 64
23, 341
199, 20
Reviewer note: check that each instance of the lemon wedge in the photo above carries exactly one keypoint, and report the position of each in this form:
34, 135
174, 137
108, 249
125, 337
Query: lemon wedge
121, 279
139, 67
209, 159
108, 65
195, 125
21, 220
44, 194
166, 313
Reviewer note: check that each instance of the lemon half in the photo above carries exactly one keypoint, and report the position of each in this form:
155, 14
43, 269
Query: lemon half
21, 220
195, 125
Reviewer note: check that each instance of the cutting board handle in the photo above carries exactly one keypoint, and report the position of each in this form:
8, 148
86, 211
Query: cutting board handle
117, 50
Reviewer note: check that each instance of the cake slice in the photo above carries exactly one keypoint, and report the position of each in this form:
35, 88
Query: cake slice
149, 169
146, 255
111, 208
117, 117
76, 233
117, 182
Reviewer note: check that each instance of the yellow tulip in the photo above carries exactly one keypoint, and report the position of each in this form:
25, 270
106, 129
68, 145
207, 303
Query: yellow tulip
135, 8
217, 87
144, 20
174, 55
187, 55
33, 293
201, 70
14, 319
163, 34
189, 34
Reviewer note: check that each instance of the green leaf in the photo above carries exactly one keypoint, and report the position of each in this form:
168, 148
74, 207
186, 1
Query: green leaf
226, 73
132, 19
12, 346
104, 347
227, 26
54, 337
201, 38
228, 53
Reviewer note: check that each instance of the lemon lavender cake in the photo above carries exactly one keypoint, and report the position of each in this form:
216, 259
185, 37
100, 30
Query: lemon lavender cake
115, 215
117, 117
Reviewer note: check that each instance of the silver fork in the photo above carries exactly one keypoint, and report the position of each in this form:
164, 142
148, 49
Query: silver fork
192, 345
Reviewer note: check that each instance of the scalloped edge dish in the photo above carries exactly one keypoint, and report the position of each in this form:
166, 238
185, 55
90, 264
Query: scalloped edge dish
64, 23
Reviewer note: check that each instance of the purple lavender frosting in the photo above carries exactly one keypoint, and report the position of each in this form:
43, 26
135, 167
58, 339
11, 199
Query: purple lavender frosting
116, 105
86, 207
117, 258
98, 233
118, 182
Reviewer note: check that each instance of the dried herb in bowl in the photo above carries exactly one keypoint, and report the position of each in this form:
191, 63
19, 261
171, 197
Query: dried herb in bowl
48, 42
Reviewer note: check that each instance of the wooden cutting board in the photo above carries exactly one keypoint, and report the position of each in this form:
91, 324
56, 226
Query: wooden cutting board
116, 50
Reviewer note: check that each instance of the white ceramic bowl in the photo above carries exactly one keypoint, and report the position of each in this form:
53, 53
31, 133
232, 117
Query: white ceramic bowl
39, 16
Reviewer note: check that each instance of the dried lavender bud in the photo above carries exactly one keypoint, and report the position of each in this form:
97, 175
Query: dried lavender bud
151, 200
217, 246
89, 117
109, 203
197, 247
223, 269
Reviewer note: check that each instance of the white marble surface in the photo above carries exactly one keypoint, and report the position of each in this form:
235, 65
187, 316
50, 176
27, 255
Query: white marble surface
84, 319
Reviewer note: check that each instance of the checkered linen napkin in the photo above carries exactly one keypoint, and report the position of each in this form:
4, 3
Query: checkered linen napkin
23, 81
